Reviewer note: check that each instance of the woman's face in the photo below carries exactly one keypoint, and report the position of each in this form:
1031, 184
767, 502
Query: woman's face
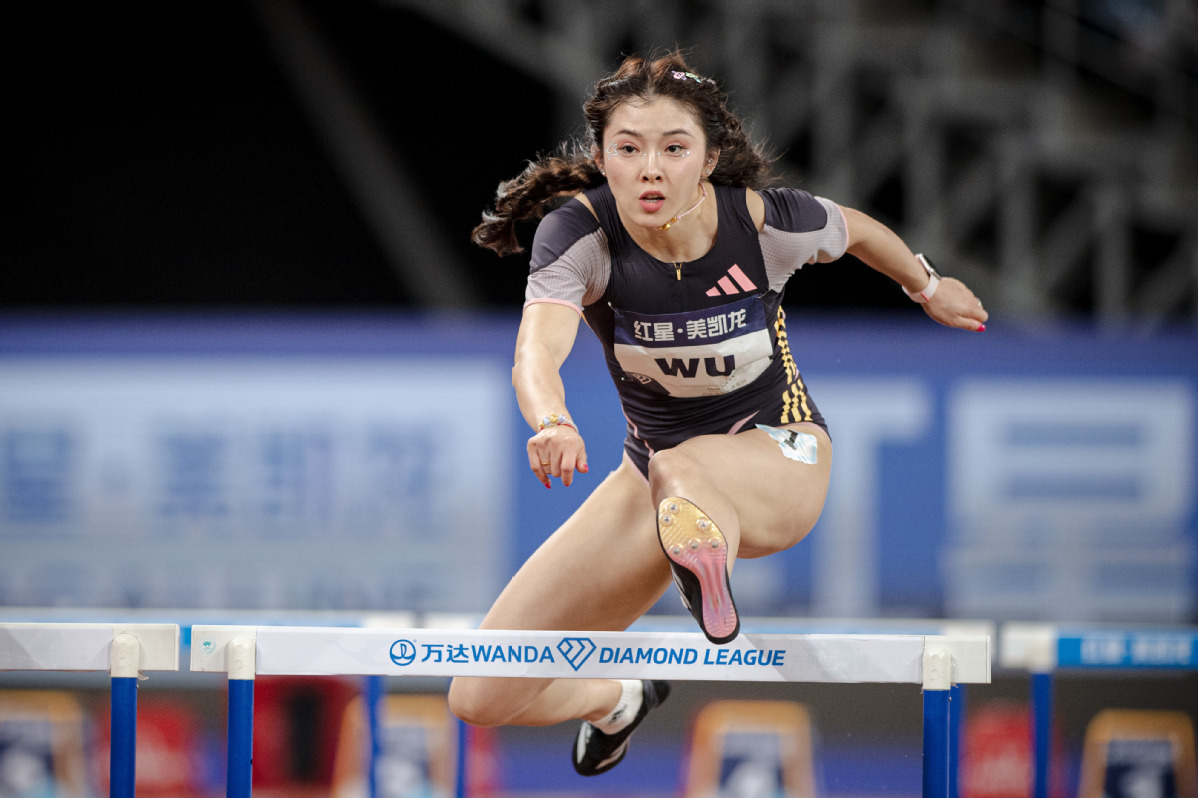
654, 155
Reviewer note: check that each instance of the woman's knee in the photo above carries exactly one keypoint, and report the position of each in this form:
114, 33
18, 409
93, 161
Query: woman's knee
471, 701
670, 468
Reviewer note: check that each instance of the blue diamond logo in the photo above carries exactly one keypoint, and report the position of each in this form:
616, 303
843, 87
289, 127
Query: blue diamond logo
576, 650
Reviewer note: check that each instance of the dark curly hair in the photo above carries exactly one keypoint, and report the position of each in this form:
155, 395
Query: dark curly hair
527, 196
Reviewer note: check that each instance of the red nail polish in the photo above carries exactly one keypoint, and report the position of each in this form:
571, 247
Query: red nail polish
981, 328
547, 485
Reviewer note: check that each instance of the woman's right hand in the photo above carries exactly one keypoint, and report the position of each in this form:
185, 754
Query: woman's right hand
557, 451
546, 335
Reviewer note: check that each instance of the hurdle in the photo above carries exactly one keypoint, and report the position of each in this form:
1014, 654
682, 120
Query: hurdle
952, 627
935, 662
124, 650
1042, 649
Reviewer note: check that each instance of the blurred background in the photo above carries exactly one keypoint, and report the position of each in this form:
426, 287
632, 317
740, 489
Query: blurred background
250, 360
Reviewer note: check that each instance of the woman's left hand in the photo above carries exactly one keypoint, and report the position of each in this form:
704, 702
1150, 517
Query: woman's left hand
954, 305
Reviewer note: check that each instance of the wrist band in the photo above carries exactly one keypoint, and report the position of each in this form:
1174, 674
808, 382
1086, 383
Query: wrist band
923, 296
556, 420
933, 282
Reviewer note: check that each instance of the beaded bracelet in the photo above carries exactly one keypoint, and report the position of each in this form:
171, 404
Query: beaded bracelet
556, 420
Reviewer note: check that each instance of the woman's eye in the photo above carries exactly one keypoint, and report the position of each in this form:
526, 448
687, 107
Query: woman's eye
626, 150
677, 151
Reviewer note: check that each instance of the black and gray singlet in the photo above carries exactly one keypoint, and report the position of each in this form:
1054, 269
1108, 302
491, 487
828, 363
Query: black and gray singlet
696, 348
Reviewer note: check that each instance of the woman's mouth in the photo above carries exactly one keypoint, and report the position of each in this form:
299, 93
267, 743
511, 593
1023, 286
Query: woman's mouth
651, 201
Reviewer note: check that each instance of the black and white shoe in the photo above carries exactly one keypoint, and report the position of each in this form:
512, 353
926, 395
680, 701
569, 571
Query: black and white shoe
597, 752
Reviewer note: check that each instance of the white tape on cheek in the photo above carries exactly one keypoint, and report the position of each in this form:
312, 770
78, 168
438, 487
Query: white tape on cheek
801, 446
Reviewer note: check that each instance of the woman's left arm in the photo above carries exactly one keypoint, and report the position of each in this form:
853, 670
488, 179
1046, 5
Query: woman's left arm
949, 301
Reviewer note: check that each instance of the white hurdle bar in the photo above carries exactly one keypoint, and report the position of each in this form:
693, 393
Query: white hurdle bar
124, 650
936, 662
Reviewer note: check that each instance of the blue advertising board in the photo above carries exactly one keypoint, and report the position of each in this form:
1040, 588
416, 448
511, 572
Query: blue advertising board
377, 462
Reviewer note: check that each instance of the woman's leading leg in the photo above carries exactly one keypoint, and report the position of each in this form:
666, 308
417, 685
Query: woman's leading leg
724, 496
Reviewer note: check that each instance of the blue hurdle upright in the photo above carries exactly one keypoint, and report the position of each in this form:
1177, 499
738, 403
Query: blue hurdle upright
1042, 649
124, 650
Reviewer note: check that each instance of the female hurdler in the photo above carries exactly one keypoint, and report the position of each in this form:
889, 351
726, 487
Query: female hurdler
676, 256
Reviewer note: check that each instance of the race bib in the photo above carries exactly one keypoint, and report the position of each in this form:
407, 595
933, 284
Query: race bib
695, 353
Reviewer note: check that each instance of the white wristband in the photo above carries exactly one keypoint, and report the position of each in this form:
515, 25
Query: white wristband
923, 296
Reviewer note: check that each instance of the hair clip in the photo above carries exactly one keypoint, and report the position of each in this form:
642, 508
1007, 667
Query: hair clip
684, 75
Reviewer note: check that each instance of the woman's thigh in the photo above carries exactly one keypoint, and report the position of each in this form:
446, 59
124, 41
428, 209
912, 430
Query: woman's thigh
601, 570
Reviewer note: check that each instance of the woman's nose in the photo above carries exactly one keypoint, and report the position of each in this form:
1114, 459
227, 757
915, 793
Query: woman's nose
650, 167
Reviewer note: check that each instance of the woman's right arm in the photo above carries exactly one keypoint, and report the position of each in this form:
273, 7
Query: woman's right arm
546, 336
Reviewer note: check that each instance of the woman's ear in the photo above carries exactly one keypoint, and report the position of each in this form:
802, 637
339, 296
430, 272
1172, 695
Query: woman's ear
713, 158
597, 156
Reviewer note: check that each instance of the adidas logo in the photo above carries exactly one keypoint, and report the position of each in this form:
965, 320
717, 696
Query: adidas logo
734, 282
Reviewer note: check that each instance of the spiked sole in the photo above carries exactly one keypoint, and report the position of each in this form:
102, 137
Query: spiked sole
698, 555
